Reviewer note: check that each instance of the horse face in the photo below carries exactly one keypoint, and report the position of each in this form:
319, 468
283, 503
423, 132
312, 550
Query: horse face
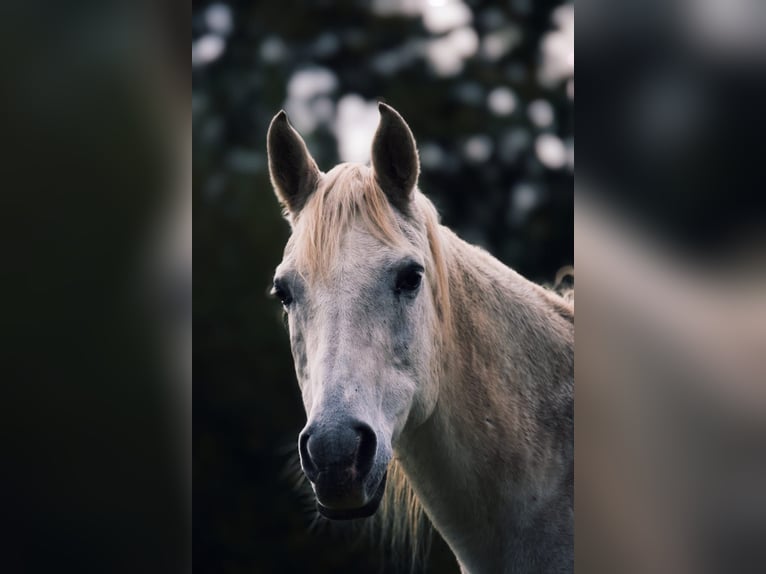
362, 326
362, 342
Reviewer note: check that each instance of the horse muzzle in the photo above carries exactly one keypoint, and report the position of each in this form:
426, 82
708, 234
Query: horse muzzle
346, 468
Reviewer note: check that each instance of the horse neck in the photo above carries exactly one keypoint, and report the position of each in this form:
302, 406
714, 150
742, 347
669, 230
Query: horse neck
496, 454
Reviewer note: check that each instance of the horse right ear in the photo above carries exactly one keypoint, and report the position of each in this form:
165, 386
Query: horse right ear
294, 173
395, 157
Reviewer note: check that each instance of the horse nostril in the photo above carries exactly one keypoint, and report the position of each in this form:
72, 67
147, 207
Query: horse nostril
336, 449
303, 450
365, 454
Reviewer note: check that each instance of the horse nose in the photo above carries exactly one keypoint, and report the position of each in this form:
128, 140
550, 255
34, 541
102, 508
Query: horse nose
334, 448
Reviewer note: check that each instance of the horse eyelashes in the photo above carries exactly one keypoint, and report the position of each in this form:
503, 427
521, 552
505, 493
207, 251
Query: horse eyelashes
281, 292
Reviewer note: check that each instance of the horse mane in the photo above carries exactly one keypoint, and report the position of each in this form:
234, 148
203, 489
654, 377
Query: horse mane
563, 286
401, 522
349, 195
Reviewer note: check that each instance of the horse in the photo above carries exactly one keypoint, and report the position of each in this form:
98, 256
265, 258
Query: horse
423, 362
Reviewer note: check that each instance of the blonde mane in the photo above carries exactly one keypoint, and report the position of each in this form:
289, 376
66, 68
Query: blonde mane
401, 519
349, 195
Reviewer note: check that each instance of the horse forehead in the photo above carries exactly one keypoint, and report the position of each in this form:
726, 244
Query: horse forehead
357, 269
360, 248
360, 264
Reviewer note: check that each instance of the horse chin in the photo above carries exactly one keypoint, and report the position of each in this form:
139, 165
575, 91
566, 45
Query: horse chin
351, 513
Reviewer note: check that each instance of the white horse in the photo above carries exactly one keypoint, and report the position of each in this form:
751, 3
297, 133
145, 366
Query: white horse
423, 358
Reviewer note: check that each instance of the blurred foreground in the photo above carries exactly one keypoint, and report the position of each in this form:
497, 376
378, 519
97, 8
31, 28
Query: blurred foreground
95, 277
670, 253
96, 288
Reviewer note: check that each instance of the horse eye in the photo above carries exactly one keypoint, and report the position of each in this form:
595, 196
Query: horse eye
281, 292
409, 278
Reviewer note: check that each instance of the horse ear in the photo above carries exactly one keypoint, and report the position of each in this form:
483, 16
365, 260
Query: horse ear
395, 157
294, 173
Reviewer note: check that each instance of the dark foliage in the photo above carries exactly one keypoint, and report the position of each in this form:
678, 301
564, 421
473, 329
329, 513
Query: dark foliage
478, 132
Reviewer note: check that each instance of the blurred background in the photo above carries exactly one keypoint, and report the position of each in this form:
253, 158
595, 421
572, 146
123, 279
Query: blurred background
488, 90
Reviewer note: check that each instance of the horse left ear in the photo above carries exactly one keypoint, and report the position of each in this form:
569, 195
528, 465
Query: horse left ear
395, 157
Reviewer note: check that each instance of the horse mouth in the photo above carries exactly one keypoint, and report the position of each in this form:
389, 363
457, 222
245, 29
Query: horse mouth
351, 513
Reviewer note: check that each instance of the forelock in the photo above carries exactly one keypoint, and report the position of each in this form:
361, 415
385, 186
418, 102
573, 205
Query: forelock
349, 196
